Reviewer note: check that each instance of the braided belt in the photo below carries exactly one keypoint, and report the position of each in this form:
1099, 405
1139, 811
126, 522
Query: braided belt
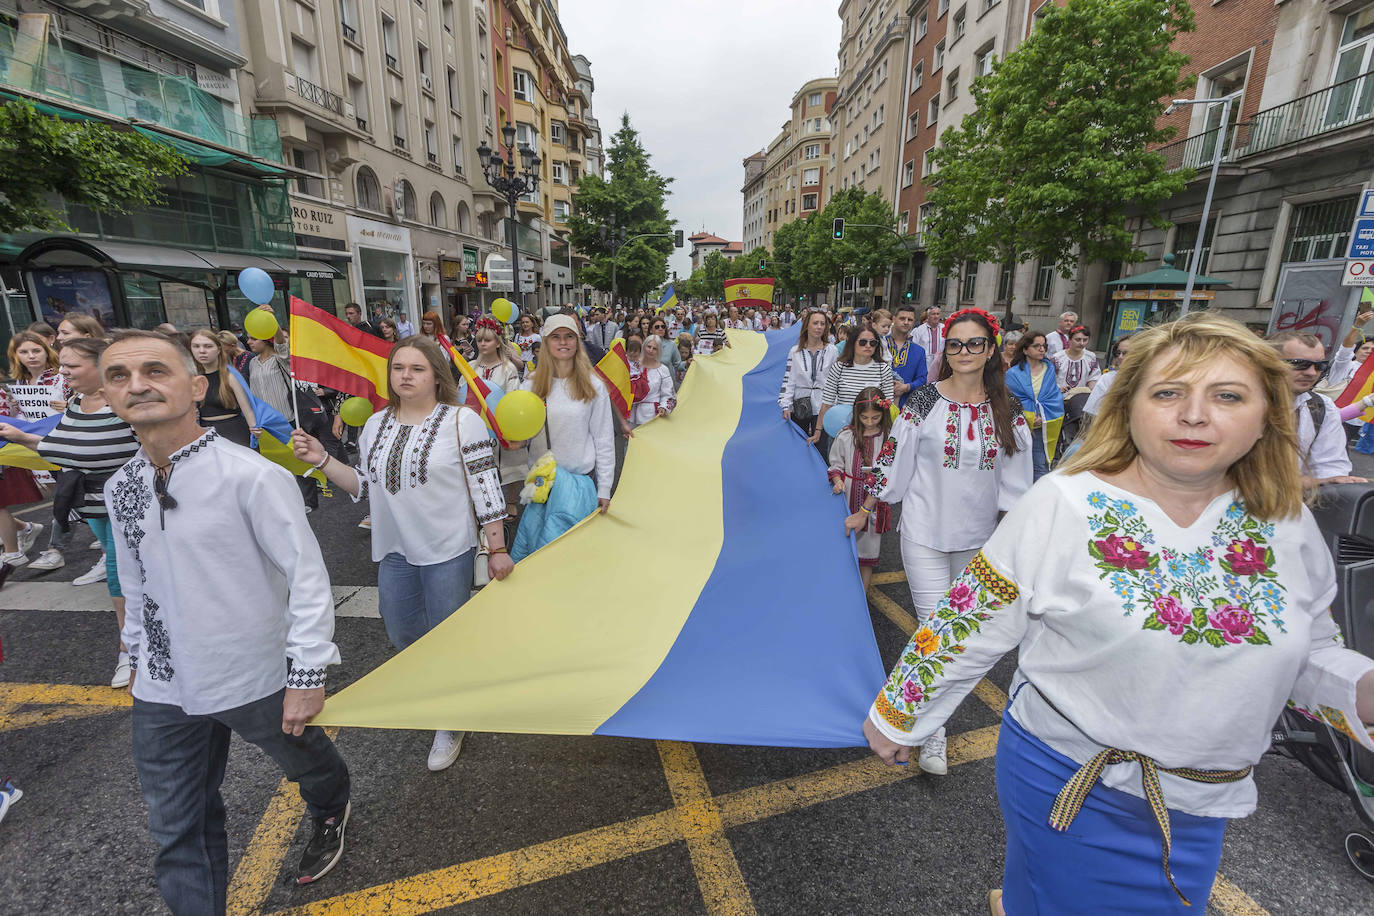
1075, 792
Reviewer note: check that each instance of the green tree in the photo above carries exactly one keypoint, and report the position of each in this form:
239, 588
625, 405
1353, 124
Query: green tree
632, 200
788, 242
1056, 154
869, 248
85, 162
708, 280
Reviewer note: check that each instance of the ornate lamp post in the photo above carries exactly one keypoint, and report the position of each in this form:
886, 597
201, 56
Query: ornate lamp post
501, 174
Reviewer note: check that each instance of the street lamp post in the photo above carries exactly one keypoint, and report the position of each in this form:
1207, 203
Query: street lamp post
501, 174
615, 240
1224, 129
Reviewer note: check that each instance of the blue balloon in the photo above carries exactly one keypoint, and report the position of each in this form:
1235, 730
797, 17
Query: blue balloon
837, 418
256, 285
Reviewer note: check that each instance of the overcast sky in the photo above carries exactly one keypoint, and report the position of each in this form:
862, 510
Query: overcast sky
706, 83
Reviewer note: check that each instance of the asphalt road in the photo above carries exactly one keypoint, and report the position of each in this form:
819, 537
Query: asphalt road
551, 824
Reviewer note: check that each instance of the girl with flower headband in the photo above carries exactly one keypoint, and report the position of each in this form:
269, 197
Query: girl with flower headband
957, 456
1075, 365
498, 364
852, 456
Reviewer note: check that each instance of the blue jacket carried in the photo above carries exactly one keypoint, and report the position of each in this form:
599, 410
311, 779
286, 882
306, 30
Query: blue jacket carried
1048, 406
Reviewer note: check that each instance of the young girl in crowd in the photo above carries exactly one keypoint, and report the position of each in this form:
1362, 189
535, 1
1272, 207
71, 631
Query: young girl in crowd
1031, 379
852, 457
658, 399
526, 338
958, 455
389, 331
226, 406
1076, 366
496, 365
427, 469
36, 387
684, 352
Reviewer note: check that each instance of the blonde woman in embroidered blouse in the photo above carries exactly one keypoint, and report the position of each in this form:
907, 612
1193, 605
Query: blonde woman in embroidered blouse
1168, 593
427, 468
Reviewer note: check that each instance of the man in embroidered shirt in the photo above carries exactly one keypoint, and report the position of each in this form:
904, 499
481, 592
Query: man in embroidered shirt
230, 623
907, 357
1321, 440
1057, 341
930, 337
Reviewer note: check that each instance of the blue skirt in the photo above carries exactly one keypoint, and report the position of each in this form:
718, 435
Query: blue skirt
1109, 860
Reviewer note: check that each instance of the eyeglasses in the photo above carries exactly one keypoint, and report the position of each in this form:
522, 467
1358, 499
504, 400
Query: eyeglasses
165, 500
866, 342
974, 345
1302, 365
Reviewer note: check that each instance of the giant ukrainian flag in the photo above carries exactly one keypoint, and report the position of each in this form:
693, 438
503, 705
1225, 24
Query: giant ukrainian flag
742, 621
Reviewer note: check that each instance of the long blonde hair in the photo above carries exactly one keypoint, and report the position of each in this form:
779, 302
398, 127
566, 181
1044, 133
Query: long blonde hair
226, 390
1267, 476
505, 352
580, 386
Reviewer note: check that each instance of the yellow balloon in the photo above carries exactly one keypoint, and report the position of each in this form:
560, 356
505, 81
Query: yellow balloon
894, 410
261, 324
503, 310
355, 411
520, 415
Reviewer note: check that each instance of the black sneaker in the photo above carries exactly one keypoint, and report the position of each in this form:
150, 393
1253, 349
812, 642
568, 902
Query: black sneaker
325, 847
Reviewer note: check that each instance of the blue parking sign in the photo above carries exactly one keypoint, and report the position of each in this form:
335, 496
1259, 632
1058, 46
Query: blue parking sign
1362, 239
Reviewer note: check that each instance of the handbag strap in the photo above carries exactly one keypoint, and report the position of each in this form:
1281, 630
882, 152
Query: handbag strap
463, 472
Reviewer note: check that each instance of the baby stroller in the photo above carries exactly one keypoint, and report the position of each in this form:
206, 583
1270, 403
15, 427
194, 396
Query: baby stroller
1345, 514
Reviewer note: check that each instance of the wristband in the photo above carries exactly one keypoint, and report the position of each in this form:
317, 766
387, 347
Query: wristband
321, 465
496, 550
865, 510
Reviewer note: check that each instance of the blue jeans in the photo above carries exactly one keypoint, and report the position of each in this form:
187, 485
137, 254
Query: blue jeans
415, 599
1039, 460
101, 528
180, 760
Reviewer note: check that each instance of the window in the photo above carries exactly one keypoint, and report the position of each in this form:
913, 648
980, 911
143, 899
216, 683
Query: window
557, 132
458, 158
561, 210
923, 215
1319, 230
1185, 240
1228, 79
942, 8
464, 223
922, 24
348, 19
422, 54
1352, 98
928, 163
939, 60
526, 135
389, 45
368, 189
812, 151
970, 280
438, 213
809, 201
520, 86
960, 24
431, 143
982, 61
941, 290
810, 177
451, 77
918, 75
1004, 283
357, 94
448, 16
952, 85
303, 60
813, 100
904, 222
989, 4
307, 160
933, 113
405, 200
1044, 281
909, 173
398, 125
560, 173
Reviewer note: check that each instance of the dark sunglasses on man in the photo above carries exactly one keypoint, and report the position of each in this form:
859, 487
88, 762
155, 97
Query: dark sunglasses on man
1302, 365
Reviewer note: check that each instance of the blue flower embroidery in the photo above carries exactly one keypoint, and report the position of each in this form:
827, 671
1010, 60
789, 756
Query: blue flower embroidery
1097, 500
1125, 509
1234, 511
1177, 568
1121, 584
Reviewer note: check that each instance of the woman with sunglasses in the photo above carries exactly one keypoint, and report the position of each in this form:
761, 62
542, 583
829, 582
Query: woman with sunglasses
860, 366
1033, 381
958, 455
658, 327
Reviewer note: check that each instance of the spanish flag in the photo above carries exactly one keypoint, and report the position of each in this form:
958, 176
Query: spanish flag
756, 293
1359, 386
333, 353
478, 390
614, 369
669, 300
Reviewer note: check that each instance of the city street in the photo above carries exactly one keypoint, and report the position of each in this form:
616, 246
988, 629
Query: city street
527, 824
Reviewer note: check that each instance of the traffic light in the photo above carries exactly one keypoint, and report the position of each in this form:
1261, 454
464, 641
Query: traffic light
909, 294
837, 233
763, 265
677, 238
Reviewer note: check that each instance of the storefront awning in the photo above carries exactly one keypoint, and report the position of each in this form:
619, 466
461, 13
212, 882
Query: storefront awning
64, 251
296, 266
209, 157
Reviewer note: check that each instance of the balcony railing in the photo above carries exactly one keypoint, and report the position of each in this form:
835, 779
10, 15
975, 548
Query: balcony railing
319, 95
1338, 106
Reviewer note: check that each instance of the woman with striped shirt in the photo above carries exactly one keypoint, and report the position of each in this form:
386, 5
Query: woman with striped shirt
92, 440
860, 366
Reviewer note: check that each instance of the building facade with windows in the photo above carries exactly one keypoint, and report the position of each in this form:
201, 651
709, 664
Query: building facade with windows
754, 192
790, 179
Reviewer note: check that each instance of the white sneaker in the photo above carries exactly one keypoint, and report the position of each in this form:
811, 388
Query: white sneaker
14, 559
122, 675
96, 545
932, 759
29, 536
93, 575
444, 751
8, 796
366, 522
49, 559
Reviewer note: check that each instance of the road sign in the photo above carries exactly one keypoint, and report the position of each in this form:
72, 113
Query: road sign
1358, 272
1361, 239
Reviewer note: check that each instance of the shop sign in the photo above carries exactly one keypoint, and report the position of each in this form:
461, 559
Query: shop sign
316, 220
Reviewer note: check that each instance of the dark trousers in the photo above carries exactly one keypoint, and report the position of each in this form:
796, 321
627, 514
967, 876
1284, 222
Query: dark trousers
181, 759
321, 426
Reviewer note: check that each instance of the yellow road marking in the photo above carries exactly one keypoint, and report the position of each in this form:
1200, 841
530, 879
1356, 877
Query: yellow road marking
1232, 901
56, 703
889, 578
718, 873
892, 611
262, 861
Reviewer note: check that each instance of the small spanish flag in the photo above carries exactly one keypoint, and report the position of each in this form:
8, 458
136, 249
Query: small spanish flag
1359, 386
614, 369
478, 390
756, 293
331, 352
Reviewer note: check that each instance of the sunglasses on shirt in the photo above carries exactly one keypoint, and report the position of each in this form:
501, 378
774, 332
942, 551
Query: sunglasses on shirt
1302, 365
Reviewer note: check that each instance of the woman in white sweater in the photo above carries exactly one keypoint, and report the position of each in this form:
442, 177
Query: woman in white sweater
660, 400
807, 364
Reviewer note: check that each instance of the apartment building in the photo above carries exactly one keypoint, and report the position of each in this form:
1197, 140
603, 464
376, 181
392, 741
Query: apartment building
754, 193
790, 179
704, 243
867, 124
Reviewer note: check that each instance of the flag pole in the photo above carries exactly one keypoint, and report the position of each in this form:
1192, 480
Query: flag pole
290, 366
